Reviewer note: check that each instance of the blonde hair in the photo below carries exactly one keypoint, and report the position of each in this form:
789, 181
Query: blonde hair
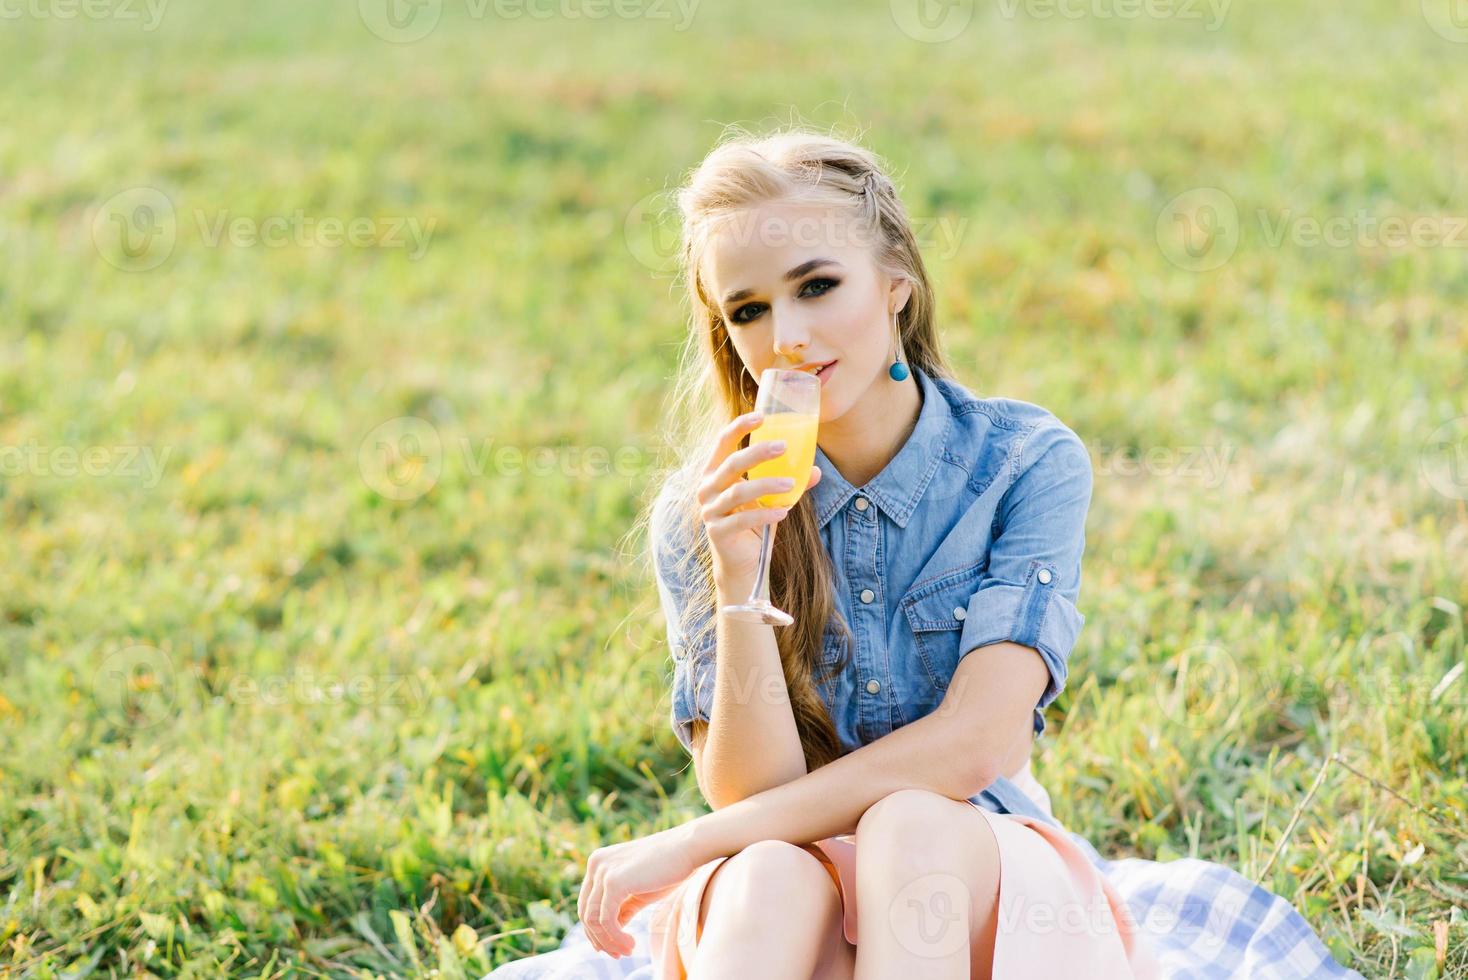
713, 387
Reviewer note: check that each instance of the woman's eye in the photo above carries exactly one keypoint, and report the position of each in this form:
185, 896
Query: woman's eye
827, 284
737, 318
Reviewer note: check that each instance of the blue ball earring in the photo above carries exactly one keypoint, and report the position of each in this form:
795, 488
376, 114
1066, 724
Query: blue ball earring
898, 371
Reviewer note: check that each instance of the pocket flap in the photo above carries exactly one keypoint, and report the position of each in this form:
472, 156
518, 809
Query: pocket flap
940, 602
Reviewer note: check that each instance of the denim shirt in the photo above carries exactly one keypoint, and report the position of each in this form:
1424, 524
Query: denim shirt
971, 535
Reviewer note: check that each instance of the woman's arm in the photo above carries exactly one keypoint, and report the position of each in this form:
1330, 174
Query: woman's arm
957, 750
751, 743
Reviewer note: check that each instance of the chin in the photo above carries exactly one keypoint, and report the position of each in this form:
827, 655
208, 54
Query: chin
837, 400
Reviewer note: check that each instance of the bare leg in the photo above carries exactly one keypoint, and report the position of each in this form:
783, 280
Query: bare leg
768, 911
927, 888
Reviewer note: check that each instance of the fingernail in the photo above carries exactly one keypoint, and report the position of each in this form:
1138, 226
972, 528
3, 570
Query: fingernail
777, 447
787, 482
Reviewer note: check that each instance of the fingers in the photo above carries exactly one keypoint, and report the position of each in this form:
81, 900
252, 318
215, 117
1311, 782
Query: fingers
618, 941
746, 519
747, 458
745, 492
729, 438
593, 921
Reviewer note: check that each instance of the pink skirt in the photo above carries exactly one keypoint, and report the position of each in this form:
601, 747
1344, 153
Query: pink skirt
1058, 916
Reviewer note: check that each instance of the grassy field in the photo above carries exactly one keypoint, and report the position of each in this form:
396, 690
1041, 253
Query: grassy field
276, 701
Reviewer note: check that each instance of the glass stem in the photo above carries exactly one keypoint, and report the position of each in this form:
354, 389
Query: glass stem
761, 591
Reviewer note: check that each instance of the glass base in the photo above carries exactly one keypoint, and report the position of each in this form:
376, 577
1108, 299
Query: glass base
758, 612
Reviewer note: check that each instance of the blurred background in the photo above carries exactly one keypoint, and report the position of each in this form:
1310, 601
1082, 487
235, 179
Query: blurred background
334, 344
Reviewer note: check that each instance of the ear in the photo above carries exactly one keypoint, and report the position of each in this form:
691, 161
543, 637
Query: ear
899, 294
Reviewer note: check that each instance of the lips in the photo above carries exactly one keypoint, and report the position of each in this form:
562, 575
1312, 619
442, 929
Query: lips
826, 372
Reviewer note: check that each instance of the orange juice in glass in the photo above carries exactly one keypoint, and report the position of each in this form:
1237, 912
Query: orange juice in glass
790, 402
798, 431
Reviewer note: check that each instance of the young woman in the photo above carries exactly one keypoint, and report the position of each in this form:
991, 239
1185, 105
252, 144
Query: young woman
868, 768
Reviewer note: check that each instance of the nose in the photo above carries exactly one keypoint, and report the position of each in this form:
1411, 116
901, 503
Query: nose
791, 336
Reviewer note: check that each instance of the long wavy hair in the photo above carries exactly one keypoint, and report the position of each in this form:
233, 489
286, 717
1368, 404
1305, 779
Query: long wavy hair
713, 386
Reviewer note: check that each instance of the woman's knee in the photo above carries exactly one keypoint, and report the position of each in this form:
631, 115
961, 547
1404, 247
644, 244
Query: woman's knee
771, 878
919, 830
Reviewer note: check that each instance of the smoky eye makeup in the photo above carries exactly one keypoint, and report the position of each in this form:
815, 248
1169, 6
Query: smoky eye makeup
826, 283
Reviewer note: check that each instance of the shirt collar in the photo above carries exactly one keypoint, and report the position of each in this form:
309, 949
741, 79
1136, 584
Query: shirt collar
899, 487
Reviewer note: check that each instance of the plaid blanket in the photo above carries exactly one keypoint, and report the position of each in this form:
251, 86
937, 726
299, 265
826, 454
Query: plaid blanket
1204, 921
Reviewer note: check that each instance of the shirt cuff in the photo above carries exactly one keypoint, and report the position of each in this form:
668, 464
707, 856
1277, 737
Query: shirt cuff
1033, 615
693, 690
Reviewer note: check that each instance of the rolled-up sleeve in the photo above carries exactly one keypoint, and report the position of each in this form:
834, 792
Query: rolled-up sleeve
1029, 589
685, 608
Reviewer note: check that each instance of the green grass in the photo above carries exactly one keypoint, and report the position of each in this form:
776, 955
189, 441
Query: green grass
172, 798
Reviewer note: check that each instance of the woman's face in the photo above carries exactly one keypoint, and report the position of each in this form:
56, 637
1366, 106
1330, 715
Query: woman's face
797, 285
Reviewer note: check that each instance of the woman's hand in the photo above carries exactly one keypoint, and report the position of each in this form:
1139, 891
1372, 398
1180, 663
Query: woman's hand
623, 879
732, 515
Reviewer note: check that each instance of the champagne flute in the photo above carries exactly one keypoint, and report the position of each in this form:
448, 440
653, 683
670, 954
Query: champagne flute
790, 402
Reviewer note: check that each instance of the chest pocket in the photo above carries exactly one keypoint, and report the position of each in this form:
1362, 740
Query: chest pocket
935, 610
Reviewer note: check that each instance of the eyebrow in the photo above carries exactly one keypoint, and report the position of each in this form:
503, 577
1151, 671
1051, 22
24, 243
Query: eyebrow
790, 276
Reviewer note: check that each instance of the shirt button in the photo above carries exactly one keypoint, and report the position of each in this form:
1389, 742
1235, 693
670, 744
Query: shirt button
959, 612
1044, 576
873, 687
867, 595
861, 503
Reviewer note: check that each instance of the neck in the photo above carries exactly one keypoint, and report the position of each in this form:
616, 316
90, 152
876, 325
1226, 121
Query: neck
863, 441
